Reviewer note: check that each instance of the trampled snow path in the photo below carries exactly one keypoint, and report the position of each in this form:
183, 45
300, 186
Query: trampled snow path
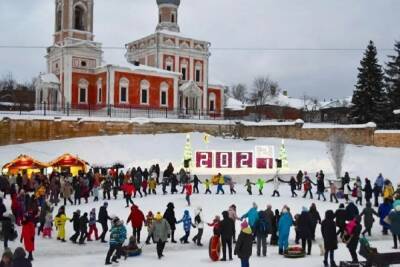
51, 253
145, 150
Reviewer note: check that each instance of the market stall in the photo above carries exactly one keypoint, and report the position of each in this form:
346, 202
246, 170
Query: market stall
24, 165
68, 163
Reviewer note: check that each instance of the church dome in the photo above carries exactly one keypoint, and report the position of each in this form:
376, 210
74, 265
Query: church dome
172, 2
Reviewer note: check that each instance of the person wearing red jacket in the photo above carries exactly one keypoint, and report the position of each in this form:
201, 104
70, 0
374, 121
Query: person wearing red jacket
137, 219
128, 188
28, 236
189, 191
144, 186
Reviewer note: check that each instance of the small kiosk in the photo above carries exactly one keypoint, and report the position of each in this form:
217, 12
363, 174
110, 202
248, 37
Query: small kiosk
68, 163
24, 165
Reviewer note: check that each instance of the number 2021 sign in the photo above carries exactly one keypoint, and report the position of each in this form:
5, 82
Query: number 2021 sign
261, 158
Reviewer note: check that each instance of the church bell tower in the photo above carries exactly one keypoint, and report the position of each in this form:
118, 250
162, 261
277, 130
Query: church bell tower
74, 19
168, 15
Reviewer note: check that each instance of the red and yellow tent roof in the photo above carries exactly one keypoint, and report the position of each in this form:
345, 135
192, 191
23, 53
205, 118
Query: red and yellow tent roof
68, 160
25, 162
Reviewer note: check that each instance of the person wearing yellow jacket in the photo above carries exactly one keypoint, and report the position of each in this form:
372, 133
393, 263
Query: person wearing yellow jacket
388, 190
152, 185
60, 221
40, 195
221, 182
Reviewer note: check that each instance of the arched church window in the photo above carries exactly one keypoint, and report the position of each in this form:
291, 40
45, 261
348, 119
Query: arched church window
173, 18
79, 14
211, 103
58, 20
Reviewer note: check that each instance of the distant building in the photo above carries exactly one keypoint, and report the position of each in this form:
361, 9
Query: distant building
167, 70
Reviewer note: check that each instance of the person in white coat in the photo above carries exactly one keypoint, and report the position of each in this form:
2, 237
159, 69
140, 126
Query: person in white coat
276, 182
199, 223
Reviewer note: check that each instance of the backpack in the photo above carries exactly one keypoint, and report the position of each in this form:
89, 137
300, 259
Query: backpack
262, 227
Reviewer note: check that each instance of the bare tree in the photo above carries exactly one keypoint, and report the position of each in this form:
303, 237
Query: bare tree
239, 92
263, 88
8, 82
31, 85
336, 146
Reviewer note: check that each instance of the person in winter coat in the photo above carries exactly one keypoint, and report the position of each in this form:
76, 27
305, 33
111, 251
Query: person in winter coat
207, 184
149, 225
221, 183
244, 245
128, 190
152, 186
284, 224
273, 226
388, 190
188, 189
358, 189
160, 230
328, 230
199, 224
315, 219
103, 220
59, 221
136, 217
305, 228
7, 229
333, 192
75, 221
367, 190
394, 219
340, 215
19, 259
227, 228
251, 215
231, 184
28, 236
196, 182
187, 225
117, 238
6, 259
321, 187
383, 211
307, 186
92, 225
83, 228
169, 216
248, 185
233, 215
299, 179
44, 210
346, 192
352, 243
351, 211
276, 182
293, 186
67, 191
368, 214
216, 225
261, 230
379, 182
260, 184
48, 225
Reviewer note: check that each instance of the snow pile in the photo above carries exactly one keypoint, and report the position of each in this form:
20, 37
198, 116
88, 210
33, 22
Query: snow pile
338, 126
234, 104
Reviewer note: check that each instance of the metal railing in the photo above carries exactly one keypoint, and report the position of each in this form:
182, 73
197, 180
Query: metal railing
110, 111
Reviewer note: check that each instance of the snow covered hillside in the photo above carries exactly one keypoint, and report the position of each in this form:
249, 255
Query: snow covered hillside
145, 150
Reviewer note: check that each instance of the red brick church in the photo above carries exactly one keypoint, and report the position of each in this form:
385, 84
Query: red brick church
166, 70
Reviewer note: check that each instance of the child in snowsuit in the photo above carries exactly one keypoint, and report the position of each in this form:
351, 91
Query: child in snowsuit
48, 225
207, 185
92, 225
188, 189
28, 236
231, 186
149, 224
152, 186
368, 214
187, 224
260, 185
248, 185
60, 222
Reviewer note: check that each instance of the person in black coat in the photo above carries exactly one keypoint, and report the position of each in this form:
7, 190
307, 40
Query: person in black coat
315, 219
75, 223
174, 183
368, 190
103, 220
3, 209
77, 194
377, 192
244, 244
340, 216
83, 223
328, 230
261, 230
8, 230
304, 227
351, 211
354, 239
321, 186
293, 186
196, 182
169, 216
19, 258
227, 228
299, 179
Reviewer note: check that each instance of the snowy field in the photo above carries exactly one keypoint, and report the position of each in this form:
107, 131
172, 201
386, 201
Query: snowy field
144, 150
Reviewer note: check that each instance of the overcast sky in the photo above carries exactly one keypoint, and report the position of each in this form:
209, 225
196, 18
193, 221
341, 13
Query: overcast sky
227, 24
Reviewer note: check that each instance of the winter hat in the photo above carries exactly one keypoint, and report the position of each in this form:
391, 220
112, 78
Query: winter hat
105, 204
7, 253
244, 224
158, 216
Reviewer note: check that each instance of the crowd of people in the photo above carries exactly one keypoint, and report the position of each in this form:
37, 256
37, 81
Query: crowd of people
35, 199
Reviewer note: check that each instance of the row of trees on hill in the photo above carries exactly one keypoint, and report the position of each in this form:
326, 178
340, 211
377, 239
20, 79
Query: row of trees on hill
377, 92
8, 82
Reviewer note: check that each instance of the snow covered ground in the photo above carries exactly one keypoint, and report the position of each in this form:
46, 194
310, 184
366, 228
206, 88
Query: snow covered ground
145, 150
52, 253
